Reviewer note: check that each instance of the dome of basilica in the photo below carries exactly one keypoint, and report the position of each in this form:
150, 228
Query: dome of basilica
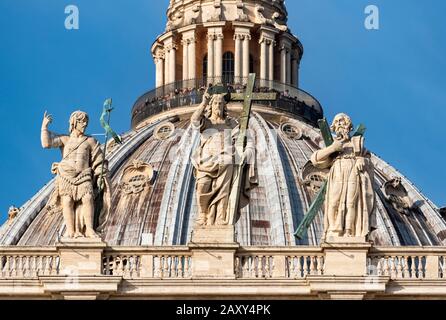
154, 196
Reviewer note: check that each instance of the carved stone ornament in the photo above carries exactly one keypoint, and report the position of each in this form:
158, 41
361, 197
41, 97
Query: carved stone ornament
274, 21
313, 177
164, 131
241, 15
175, 21
397, 195
12, 214
136, 177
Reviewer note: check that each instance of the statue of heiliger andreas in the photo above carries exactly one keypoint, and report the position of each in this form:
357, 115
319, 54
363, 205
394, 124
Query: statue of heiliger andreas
350, 198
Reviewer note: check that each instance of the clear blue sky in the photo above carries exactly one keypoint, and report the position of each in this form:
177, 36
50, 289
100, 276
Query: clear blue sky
392, 79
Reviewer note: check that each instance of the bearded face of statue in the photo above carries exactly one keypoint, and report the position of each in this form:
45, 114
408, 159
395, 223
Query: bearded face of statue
218, 105
79, 122
342, 126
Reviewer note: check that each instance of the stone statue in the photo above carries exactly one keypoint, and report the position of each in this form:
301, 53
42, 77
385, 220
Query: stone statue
214, 160
78, 180
350, 198
12, 214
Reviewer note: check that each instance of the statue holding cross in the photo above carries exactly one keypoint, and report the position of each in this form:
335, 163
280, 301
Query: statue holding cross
348, 193
224, 162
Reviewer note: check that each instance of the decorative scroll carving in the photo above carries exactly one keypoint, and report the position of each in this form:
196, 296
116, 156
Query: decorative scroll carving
175, 21
397, 195
216, 15
313, 177
136, 177
274, 21
196, 13
241, 15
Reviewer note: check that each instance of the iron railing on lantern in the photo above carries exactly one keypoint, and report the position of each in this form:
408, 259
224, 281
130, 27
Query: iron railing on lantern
189, 92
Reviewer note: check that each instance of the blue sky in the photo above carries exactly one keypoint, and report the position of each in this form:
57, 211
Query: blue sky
392, 79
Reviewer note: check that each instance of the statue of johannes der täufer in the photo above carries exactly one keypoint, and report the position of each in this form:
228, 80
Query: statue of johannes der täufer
79, 177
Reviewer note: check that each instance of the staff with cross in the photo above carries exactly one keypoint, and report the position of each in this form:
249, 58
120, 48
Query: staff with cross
237, 182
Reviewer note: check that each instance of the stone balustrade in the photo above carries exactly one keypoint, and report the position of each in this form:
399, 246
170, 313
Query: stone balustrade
287, 263
407, 262
332, 271
28, 263
157, 263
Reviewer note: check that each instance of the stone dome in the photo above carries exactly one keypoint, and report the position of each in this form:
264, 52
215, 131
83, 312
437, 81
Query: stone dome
153, 202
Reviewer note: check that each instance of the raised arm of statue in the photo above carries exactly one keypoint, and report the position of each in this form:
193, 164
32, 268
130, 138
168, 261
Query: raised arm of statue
321, 157
199, 113
48, 138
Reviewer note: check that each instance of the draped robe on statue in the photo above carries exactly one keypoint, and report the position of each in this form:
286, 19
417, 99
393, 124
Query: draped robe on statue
214, 168
350, 199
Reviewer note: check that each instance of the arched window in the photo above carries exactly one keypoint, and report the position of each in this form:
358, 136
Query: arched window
228, 67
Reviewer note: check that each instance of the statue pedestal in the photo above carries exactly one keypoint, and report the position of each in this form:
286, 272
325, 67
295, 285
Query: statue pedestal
213, 252
213, 235
346, 256
82, 256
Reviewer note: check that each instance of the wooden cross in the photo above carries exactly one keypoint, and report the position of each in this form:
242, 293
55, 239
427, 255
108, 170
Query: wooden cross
237, 180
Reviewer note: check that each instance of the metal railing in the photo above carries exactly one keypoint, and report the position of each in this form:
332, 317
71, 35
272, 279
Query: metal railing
189, 92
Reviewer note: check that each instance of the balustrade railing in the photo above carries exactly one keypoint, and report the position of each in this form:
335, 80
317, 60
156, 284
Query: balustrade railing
159, 263
28, 263
407, 262
300, 266
397, 263
288, 263
189, 92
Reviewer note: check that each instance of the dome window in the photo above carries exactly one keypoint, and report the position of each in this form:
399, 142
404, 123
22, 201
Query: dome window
164, 131
292, 131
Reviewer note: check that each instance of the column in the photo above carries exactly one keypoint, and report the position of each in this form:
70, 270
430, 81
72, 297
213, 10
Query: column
172, 64
218, 57
271, 61
246, 41
166, 67
263, 59
238, 58
192, 58
283, 64
185, 59
210, 72
288, 67
159, 62
295, 72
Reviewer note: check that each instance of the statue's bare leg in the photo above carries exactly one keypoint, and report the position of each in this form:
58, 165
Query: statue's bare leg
88, 214
78, 223
68, 215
